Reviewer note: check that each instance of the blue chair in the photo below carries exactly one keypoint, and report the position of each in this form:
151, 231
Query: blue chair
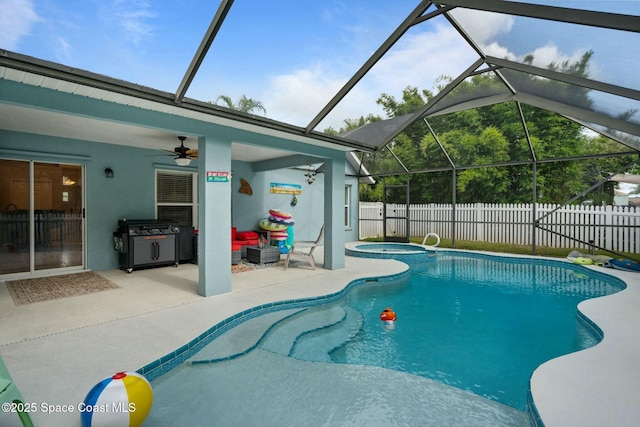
9, 393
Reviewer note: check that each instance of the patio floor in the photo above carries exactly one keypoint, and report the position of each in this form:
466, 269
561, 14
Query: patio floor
58, 350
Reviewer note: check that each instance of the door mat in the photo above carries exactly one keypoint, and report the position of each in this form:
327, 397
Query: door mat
244, 265
29, 291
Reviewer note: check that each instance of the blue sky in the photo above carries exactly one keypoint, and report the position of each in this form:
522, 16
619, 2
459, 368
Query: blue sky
292, 55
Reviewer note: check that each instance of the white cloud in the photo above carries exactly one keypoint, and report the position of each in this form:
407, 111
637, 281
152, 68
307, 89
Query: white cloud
132, 17
17, 17
297, 97
64, 50
496, 50
485, 27
482, 26
417, 60
545, 55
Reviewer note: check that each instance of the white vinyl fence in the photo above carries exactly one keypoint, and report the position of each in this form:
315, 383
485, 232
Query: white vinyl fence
615, 228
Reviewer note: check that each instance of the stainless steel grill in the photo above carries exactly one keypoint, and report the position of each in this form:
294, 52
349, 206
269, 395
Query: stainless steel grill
146, 244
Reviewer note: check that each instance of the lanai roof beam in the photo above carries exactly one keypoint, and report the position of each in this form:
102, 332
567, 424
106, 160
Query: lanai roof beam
393, 38
614, 21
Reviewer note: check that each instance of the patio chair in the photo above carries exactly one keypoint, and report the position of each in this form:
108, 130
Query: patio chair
303, 249
9, 393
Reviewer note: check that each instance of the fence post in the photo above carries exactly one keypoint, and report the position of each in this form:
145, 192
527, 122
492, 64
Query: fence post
480, 224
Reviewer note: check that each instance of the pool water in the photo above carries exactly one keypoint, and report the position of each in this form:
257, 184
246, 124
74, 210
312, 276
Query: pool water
470, 332
475, 323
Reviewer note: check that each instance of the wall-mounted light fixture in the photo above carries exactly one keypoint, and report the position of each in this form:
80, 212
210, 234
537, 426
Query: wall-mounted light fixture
108, 172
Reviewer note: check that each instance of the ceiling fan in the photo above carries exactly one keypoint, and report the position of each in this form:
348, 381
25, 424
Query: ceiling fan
185, 154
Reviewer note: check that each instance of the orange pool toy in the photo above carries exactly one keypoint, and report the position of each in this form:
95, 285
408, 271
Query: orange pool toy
388, 315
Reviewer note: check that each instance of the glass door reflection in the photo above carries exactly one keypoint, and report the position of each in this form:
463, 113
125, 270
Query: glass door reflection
57, 204
41, 216
14, 216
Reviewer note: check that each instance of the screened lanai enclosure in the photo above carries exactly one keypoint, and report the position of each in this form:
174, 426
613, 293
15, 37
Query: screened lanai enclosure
470, 107
517, 148
511, 130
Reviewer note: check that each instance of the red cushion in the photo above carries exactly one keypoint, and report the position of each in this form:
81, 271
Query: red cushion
236, 247
246, 235
245, 242
233, 233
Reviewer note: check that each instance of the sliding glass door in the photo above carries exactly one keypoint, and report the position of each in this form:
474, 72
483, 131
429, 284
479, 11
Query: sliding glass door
41, 216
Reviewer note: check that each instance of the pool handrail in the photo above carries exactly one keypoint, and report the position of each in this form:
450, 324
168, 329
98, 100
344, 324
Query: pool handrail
427, 236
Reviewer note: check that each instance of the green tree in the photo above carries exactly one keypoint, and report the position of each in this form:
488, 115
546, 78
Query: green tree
495, 134
352, 124
244, 104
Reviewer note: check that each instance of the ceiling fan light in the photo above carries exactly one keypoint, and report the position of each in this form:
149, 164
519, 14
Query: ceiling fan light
182, 161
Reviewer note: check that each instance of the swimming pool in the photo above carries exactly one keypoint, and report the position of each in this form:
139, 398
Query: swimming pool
349, 371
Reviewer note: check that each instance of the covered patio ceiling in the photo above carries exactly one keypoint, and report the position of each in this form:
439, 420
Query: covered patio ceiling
312, 68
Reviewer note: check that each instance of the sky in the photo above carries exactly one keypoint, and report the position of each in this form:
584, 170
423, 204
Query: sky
294, 55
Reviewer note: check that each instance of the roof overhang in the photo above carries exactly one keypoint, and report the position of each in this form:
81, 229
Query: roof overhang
45, 74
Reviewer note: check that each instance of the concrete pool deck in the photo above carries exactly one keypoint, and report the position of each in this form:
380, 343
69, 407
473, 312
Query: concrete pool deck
57, 350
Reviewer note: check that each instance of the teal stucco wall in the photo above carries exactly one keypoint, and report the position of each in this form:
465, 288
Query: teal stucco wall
130, 194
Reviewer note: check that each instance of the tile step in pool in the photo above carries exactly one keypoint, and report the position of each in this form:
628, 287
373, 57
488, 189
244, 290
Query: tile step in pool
308, 347
281, 339
242, 338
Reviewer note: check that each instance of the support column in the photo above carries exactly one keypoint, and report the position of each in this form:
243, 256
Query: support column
214, 217
334, 233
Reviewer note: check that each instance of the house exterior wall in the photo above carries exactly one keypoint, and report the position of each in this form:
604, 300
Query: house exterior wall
351, 232
308, 211
130, 194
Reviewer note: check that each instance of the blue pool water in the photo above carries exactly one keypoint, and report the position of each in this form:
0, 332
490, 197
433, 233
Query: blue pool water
470, 331
476, 323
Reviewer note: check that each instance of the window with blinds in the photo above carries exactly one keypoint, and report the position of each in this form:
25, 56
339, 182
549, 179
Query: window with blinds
176, 197
174, 187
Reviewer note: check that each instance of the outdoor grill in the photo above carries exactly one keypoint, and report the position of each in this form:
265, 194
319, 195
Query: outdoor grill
147, 243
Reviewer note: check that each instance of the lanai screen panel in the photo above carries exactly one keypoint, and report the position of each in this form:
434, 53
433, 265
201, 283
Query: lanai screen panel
483, 89
293, 57
581, 103
629, 140
427, 54
541, 42
373, 134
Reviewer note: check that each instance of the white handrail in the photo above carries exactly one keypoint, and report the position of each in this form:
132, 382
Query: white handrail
427, 236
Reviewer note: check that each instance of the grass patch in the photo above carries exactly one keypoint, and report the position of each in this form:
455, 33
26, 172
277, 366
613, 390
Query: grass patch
503, 247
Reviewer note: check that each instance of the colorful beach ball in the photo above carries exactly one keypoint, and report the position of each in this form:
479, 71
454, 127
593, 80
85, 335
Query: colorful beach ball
123, 400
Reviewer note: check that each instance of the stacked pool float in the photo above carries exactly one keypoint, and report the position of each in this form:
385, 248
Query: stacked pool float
280, 226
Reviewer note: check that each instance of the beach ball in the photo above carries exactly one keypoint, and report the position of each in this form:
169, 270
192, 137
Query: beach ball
123, 400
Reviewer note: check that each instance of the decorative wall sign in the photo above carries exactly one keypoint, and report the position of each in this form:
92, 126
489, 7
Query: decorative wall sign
218, 176
279, 188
